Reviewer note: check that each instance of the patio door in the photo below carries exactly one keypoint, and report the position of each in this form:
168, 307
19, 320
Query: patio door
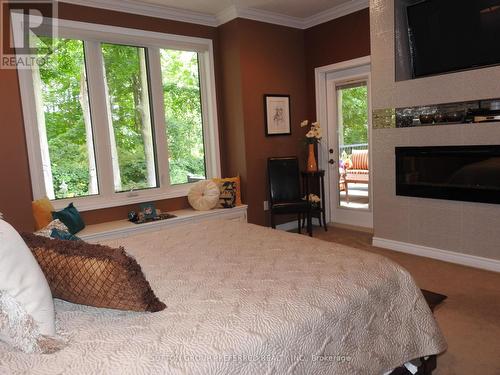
349, 124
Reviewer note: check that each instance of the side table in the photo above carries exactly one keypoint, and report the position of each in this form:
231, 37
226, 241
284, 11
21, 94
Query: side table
307, 179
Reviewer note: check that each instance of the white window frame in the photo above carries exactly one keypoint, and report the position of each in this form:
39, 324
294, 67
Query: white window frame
93, 35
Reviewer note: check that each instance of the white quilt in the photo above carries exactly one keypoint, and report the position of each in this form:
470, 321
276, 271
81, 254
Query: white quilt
244, 299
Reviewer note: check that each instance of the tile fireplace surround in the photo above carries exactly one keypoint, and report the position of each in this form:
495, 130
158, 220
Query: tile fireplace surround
459, 230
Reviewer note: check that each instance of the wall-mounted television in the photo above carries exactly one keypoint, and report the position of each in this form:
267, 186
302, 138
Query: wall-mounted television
450, 35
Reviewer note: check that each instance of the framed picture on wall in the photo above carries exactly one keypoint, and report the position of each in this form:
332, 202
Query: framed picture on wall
277, 114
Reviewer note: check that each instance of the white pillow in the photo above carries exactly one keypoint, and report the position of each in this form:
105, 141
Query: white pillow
54, 224
22, 278
21, 331
204, 195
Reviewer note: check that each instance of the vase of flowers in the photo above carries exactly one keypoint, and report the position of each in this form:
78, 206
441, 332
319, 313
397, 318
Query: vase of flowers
313, 137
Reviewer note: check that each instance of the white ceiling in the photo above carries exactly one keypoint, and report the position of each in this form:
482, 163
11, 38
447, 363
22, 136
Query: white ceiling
300, 14
292, 8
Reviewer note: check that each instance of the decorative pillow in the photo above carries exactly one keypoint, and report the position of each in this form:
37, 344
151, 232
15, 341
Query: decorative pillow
42, 212
227, 197
93, 275
54, 224
204, 195
237, 181
19, 329
71, 218
22, 278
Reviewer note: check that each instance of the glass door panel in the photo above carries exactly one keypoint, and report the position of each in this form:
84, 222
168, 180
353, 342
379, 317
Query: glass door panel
353, 150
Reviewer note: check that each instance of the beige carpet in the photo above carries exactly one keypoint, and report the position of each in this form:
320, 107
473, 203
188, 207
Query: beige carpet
469, 318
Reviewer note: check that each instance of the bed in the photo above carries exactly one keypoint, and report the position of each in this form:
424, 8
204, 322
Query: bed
244, 299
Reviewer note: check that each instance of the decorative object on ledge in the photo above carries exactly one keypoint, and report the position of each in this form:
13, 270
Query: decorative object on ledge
477, 111
313, 137
148, 211
133, 216
161, 216
277, 114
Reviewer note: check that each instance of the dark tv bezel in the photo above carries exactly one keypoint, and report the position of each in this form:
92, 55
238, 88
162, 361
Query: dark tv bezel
441, 72
445, 193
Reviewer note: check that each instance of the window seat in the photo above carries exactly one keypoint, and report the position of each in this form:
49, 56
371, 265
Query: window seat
124, 228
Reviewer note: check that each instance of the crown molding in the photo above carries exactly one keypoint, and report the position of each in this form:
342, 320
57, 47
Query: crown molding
228, 14
234, 11
335, 12
149, 10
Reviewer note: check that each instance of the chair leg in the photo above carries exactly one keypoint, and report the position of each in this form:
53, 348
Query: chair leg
309, 224
273, 224
324, 220
299, 217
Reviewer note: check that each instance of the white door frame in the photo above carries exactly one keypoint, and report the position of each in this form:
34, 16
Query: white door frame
351, 217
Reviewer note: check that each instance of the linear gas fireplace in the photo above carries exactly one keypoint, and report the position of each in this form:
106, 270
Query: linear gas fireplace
463, 173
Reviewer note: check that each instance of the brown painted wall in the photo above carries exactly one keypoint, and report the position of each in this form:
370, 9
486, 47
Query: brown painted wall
15, 185
15, 190
271, 61
341, 39
112, 18
232, 125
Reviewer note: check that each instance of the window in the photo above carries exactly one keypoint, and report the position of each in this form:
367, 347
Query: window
118, 116
181, 90
63, 114
131, 130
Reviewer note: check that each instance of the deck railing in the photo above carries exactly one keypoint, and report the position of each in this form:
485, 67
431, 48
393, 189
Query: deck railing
356, 146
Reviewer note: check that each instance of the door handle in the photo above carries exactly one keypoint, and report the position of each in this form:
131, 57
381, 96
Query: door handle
331, 161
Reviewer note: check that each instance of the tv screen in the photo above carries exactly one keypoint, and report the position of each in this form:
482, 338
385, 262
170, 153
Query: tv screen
451, 35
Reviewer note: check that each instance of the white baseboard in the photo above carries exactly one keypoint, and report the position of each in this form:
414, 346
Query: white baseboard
291, 225
444, 255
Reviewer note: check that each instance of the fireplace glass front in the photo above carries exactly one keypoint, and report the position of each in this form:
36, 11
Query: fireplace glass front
463, 173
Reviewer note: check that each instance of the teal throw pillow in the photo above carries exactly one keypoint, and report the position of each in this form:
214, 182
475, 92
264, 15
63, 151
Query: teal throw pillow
71, 218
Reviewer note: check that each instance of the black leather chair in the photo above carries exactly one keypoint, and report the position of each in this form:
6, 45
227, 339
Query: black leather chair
284, 190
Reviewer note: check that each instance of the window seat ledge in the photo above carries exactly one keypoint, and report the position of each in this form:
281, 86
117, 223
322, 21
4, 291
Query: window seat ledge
123, 228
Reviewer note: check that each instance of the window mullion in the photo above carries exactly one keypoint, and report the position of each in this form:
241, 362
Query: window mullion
99, 114
156, 87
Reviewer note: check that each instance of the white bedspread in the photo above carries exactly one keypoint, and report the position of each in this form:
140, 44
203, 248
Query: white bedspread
244, 299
